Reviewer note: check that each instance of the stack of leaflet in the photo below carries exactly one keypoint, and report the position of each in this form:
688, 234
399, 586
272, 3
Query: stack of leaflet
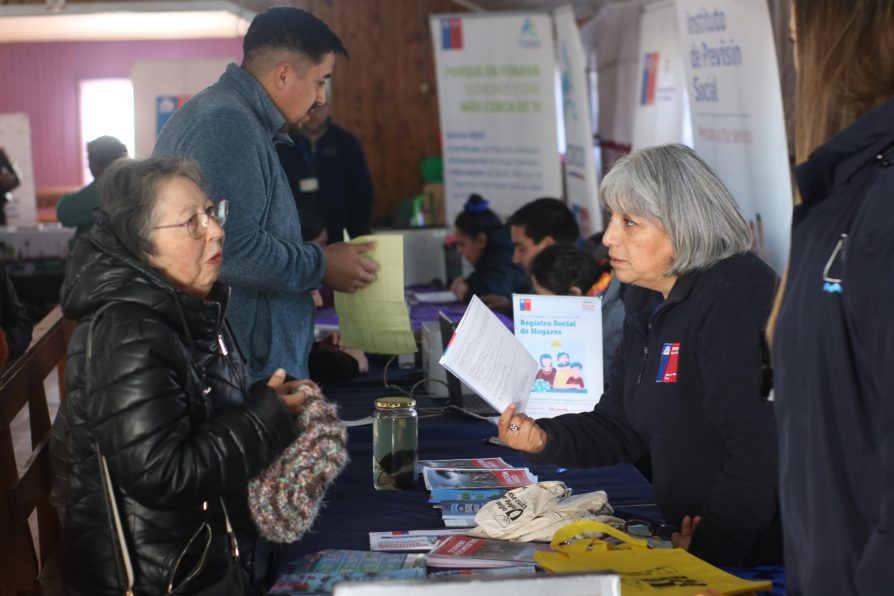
408, 540
459, 487
476, 553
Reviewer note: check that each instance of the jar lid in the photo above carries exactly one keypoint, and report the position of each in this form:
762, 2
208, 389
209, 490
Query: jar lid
395, 403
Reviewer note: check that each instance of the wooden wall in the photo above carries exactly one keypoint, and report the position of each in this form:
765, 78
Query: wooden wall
385, 94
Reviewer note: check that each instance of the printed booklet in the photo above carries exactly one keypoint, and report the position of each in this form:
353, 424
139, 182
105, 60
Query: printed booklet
460, 514
564, 335
353, 561
469, 553
439, 495
408, 540
317, 573
446, 478
492, 463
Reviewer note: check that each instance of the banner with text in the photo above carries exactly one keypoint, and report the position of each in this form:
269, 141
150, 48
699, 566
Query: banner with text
661, 115
496, 97
581, 184
736, 104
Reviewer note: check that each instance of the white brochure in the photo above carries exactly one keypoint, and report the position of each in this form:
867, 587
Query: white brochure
485, 356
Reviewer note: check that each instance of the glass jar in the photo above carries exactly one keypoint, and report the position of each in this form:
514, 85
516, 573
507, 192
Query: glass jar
395, 443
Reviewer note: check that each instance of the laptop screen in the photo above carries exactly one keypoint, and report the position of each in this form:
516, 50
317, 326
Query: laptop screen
456, 397
454, 387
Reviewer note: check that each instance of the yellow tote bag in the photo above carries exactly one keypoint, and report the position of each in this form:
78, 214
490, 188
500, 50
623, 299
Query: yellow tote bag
643, 571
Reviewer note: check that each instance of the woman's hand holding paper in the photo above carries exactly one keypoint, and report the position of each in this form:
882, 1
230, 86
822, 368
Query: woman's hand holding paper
521, 432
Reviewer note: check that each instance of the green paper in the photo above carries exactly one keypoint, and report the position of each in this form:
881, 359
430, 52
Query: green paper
376, 319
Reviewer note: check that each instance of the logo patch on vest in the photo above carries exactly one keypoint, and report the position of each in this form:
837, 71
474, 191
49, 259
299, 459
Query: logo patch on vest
667, 368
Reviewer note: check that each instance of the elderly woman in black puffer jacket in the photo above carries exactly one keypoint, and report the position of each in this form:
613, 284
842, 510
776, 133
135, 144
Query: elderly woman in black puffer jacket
156, 388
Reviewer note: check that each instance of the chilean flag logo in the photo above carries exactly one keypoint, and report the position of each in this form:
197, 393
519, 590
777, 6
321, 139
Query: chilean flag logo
667, 368
650, 76
524, 304
452, 33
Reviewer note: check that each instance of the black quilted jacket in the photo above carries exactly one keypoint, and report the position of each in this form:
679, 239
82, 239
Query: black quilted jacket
139, 363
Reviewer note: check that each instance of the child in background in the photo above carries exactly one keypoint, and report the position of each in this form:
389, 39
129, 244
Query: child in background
485, 243
565, 270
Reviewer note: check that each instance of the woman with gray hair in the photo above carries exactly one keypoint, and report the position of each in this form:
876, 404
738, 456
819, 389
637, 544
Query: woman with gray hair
690, 380
159, 433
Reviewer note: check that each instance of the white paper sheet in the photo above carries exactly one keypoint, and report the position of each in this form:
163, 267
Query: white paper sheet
491, 361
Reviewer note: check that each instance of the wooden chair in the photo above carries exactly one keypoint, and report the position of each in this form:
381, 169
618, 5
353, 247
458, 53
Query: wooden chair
21, 565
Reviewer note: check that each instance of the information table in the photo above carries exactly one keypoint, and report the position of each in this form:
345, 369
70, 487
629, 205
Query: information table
353, 508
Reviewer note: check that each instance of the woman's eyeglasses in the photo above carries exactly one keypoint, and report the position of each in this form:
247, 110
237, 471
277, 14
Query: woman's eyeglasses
197, 225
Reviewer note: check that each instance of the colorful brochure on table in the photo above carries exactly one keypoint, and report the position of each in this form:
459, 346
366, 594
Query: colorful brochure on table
564, 335
485, 356
469, 553
460, 514
317, 573
439, 495
492, 463
354, 561
408, 540
324, 583
446, 478
519, 570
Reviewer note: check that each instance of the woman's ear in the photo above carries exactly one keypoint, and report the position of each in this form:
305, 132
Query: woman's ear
481, 239
575, 291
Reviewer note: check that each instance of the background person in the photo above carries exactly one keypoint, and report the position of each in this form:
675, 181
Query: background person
534, 226
834, 338
328, 174
9, 181
230, 128
565, 270
15, 326
689, 380
155, 385
483, 241
75, 210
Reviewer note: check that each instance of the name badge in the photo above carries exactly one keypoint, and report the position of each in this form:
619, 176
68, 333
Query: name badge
309, 184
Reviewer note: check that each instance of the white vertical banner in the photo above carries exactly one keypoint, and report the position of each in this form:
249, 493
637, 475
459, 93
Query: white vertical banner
496, 98
15, 138
662, 114
737, 121
581, 183
612, 38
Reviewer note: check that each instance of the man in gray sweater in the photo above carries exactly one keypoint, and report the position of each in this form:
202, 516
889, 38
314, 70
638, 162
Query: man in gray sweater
231, 129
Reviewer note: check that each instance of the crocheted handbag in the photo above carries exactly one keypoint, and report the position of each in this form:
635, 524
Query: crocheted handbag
284, 498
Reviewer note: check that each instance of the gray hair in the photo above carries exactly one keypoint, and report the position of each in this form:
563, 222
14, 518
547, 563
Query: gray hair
129, 192
671, 184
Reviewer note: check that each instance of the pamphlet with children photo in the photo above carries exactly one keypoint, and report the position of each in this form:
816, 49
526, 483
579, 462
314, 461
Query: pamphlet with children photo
564, 335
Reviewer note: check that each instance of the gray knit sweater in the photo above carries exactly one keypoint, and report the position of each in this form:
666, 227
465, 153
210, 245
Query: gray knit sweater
230, 128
